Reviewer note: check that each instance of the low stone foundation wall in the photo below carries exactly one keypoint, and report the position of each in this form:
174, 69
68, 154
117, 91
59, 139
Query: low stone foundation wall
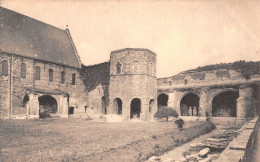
240, 148
227, 120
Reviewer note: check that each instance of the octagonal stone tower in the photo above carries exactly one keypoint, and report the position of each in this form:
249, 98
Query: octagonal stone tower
133, 83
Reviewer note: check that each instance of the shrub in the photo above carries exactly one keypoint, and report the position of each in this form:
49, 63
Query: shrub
165, 112
180, 123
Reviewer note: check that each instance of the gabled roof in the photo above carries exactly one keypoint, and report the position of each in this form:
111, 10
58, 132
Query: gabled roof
25, 36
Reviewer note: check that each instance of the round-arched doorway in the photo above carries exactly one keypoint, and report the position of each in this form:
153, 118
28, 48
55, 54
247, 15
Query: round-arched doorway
190, 105
151, 106
162, 100
117, 105
135, 108
104, 106
225, 104
47, 106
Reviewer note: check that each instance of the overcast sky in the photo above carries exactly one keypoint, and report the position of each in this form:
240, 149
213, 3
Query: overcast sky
185, 34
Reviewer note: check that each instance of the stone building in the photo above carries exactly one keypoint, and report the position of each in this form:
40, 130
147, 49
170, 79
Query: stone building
125, 86
39, 68
41, 75
222, 94
133, 83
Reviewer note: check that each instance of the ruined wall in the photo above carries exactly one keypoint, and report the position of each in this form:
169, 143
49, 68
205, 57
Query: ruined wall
96, 80
200, 78
137, 79
77, 92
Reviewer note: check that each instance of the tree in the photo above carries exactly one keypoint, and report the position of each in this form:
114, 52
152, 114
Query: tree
165, 112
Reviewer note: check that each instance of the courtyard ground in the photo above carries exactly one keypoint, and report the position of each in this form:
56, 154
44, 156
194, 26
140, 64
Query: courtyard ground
78, 139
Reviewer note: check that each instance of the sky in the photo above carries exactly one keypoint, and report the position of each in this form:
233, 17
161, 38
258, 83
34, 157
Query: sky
184, 34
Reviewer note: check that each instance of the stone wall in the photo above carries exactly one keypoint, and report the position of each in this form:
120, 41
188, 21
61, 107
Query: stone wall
137, 79
241, 147
200, 78
4, 87
207, 85
77, 93
96, 79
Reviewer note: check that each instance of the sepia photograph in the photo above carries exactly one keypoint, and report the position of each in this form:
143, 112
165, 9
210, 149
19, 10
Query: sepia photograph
129, 80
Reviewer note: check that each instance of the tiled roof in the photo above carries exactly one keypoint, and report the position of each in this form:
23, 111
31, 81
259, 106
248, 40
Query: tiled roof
25, 36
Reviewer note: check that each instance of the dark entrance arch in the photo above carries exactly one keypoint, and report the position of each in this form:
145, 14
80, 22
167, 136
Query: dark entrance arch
47, 105
190, 105
103, 104
151, 105
135, 108
162, 100
225, 104
117, 104
25, 100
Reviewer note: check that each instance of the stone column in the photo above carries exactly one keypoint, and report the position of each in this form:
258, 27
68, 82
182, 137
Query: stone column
144, 114
126, 110
33, 106
171, 100
177, 100
204, 103
63, 106
245, 102
190, 111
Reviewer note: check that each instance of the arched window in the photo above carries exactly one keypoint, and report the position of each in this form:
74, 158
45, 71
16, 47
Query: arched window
73, 79
136, 66
5, 68
62, 79
38, 73
23, 70
118, 67
50, 75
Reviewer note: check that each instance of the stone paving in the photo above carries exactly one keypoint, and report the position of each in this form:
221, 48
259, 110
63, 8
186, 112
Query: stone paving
205, 148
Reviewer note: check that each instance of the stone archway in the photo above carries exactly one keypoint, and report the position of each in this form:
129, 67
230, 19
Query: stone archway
162, 100
25, 100
47, 106
117, 105
103, 104
25, 104
135, 108
151, 106
189, 105
224, 104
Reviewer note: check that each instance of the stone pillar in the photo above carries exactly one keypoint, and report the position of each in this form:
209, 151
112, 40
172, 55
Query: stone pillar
190, 111
245, 102
63, 106
204, 103
144, 114
177, 100
33, 106
171, 100
126, 110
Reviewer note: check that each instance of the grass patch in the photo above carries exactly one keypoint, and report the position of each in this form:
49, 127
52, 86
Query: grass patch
82, 140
